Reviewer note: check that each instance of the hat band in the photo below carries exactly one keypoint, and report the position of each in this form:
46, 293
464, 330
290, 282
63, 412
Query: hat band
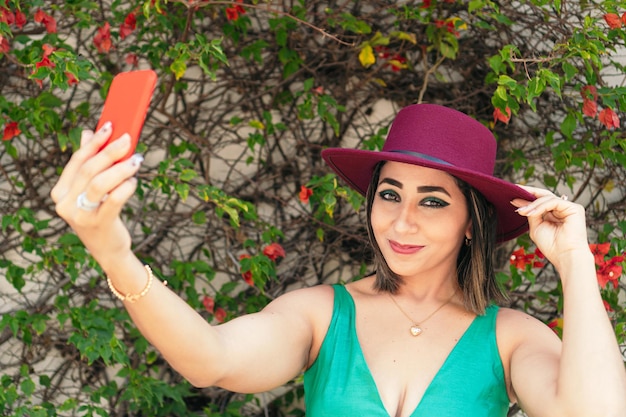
424, 156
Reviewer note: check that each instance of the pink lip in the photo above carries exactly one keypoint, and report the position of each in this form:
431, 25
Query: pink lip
404, 249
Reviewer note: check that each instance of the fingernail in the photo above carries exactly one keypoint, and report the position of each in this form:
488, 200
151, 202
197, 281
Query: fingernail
106, 127
124, 140
136, 159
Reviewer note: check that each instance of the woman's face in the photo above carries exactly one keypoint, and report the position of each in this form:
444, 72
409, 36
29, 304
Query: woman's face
420, 220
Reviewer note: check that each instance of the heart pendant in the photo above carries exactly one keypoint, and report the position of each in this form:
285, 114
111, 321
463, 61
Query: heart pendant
416, 330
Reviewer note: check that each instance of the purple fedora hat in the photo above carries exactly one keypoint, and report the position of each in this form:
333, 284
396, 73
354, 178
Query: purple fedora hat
438, 137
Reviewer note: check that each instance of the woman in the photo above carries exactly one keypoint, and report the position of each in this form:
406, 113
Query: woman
420, 337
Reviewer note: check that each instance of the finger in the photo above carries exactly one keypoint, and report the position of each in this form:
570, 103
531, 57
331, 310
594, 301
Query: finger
85, 136
96, 192
90, 144
103, 184
542, 205
526, 206
106, 213
95, 165
536, 191
117, 198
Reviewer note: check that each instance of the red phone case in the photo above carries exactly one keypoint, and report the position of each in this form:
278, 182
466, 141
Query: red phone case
127, 104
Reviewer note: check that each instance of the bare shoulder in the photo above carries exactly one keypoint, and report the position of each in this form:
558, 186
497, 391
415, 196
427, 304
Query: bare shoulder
312, 305
524, 343
310, 299
515, 327
514, 321
312, 308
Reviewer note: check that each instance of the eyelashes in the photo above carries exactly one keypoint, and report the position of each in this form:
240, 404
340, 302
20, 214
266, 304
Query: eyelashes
432, 202
389, 195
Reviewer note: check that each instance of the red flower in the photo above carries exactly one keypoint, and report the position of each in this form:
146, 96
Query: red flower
556, 325
558, 322
7, 16
599, 250
451, 28
607, 306
232, 13
131, 59
613, 20
129, 25
20, 19
520, 259
397, 63
10, 130
45, 62
589, 92
47, 50
590, 95
305, 193
47, 20
538, 263
247, 275
498, 115
382, 51
71, 79
425, 4
208, 303
102, 38
4, 45
220, 315
610, 272
590, 108
609, 118
274, 251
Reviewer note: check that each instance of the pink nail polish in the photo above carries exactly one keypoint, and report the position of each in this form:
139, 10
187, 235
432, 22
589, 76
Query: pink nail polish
136, 160
106, 127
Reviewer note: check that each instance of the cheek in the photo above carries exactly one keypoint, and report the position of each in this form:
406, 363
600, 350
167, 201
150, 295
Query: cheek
378, 221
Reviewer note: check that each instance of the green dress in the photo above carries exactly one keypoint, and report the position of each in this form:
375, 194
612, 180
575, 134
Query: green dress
470, 383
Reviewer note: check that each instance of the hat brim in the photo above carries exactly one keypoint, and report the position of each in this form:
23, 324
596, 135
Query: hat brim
355, 167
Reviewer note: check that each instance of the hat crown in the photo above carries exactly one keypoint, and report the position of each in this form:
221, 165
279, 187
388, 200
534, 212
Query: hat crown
443, 135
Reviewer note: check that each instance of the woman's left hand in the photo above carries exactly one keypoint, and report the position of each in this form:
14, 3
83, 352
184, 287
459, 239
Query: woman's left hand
557, 226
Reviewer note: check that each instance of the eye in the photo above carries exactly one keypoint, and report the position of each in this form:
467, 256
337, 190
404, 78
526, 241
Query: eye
389, 195
434, 202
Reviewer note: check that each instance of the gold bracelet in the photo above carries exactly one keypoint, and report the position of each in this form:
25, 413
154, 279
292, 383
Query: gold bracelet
131, 298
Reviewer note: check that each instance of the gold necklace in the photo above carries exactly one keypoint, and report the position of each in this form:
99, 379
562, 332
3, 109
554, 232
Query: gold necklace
416, 329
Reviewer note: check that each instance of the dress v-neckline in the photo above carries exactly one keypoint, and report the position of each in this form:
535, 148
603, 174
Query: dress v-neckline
430, 384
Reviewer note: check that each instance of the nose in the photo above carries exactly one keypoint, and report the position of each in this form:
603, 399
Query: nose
407, 219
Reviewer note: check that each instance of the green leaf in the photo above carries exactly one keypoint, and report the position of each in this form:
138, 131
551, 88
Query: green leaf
27, 386
179, 67
199, 217
187, 175
568, 125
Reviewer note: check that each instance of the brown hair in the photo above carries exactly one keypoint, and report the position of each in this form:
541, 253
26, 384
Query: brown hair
475, 272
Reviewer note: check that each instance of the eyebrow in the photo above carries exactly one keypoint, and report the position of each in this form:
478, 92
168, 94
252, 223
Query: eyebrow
432, 188
420, 189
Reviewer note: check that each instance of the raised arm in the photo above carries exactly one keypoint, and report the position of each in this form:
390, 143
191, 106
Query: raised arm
249, 354
585, 375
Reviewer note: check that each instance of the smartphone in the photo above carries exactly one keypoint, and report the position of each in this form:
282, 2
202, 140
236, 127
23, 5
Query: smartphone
127, 104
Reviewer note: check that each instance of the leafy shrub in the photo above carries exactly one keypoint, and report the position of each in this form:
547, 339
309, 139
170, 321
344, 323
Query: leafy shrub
234, 205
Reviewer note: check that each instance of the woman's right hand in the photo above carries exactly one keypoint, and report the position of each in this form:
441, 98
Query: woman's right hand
96, 174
